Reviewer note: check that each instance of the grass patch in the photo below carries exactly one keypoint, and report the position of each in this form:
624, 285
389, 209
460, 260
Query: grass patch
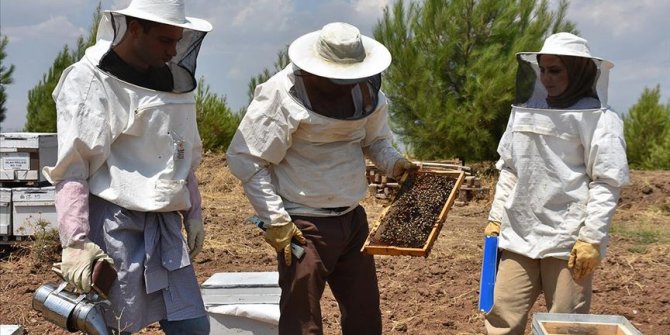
664, 207
641, 234
46, 244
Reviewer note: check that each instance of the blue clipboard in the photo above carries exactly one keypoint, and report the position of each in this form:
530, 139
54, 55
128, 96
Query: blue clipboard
487, 280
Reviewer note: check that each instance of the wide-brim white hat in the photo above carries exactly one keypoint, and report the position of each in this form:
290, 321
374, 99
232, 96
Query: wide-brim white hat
169, 12
339, 51
567, 44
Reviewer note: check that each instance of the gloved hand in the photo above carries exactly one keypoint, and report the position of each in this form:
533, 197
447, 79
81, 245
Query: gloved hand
403, 166
492, 229
77, 261
584, 258
195, 236
279, 236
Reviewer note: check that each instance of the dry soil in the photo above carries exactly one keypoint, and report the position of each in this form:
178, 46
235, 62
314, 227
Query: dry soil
433, 295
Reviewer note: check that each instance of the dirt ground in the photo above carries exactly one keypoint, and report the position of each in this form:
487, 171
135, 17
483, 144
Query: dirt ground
433, 295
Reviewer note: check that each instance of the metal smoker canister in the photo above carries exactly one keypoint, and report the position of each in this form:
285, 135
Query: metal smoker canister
69, 311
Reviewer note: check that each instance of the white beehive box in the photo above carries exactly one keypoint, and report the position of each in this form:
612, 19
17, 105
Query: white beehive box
5, 211
11, 330
242, 302
23, 155
31, 205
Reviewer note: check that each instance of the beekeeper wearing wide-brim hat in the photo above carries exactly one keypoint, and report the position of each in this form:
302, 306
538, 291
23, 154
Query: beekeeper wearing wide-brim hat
562, 164
351, 57
128, 149
300, 153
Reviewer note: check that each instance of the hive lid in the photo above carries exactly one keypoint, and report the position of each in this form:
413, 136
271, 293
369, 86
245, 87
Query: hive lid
242, 280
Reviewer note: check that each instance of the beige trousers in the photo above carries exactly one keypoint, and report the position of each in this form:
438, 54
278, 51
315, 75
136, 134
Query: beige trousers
519, 282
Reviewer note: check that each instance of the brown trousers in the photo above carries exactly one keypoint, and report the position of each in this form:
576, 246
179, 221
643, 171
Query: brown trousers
333, 256
519, 282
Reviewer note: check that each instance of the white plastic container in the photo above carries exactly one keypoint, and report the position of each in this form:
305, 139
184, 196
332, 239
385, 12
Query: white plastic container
5, 211
592, 324
23, 155
242, 302
30, 206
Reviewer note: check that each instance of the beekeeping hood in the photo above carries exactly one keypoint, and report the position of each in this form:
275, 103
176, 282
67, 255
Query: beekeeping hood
529, 89
112, 28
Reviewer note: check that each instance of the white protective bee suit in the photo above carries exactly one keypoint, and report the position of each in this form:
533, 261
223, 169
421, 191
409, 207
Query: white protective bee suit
293, 161
561, 170
303, 165
124, 173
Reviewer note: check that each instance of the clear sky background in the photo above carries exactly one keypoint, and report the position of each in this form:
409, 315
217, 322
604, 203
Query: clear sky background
247, 35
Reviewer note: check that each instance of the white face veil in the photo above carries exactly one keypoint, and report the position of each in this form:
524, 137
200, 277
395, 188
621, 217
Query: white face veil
574, 53
111, 30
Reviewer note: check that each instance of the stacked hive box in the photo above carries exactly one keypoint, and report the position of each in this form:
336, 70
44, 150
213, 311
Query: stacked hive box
242, 302
32, 209
5, 211
26, 198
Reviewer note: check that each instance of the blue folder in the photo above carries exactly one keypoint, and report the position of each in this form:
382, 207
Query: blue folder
487, 280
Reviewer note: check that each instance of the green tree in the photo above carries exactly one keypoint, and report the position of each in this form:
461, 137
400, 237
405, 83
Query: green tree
647, 132
216, 122
281, 62
5, 76
452, 79
41, 115
659, 155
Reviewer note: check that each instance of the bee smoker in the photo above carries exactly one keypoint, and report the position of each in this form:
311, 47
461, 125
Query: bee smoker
74, 312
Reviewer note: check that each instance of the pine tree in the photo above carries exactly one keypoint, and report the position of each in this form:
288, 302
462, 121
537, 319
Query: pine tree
659, 155
5, 76
647, 132
41, 116
216, 122
281, 62
452, 79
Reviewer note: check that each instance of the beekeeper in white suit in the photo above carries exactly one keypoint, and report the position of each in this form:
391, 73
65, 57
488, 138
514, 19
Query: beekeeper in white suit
562, 164
128, 146
300, 153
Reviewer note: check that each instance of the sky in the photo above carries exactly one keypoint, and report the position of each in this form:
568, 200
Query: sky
247, 34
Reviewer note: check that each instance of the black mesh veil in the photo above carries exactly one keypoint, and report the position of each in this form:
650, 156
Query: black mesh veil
531, 93
525, 81
183, 64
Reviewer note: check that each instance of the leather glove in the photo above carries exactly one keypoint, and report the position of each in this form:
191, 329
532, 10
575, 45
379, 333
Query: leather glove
584, 258
195, 236
492, 229
77, 261
279, 236
403, 166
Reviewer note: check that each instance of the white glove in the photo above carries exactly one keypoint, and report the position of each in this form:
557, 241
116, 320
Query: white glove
195, 236
77, 263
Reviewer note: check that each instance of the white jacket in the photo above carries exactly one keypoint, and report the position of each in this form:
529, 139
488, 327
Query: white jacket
134, 146
293, 160
560, 172
560, 177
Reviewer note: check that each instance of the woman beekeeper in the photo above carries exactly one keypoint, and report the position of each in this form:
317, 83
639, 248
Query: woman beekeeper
128, 145
562, 163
